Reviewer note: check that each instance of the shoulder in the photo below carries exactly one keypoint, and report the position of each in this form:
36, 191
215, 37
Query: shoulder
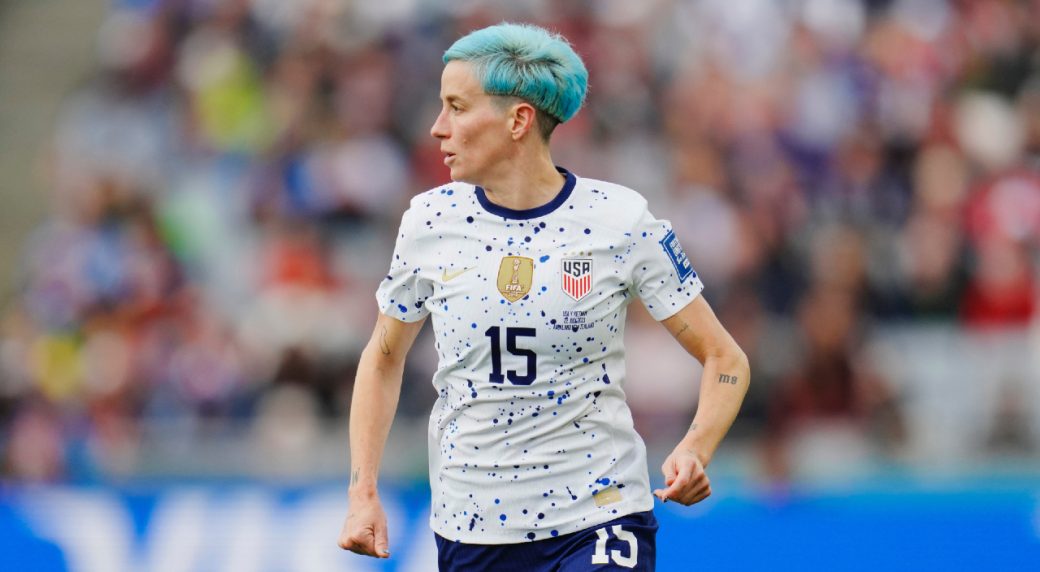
619, 194
616, 205
441, 197
439, 205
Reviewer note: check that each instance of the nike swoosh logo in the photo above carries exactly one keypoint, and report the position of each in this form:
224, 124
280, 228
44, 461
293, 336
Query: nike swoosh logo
448, 276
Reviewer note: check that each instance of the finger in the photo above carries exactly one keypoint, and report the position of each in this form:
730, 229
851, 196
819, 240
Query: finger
668, 469
698, 481
677, 487
346, 541
699, 497
382, 543
696, 495
703, 495
363, 543
669, 472
352, 545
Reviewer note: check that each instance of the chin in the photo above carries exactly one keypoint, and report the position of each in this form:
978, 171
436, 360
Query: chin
460, 176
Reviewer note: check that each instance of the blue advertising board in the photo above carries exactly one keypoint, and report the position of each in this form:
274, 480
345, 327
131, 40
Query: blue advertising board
243, 527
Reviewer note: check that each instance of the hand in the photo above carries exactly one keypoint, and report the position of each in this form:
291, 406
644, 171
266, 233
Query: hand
685, 478
364, 531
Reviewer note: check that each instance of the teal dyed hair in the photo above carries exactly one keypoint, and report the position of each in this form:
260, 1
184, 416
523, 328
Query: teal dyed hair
528, 62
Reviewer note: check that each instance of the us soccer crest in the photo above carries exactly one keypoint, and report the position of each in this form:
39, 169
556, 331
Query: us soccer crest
577, 277
515, 275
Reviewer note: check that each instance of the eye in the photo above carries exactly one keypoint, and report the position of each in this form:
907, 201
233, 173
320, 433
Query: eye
455, 108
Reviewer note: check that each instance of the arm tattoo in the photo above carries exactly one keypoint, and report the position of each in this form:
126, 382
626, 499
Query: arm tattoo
731, 379
354, 476
693, 426
684, 327
383, 345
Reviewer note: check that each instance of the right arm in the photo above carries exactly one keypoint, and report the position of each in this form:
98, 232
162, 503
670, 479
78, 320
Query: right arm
376, 392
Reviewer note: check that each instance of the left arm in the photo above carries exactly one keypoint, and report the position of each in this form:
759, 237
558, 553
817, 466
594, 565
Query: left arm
723, 386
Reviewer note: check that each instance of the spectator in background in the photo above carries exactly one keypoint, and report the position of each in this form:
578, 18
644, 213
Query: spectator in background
827, 414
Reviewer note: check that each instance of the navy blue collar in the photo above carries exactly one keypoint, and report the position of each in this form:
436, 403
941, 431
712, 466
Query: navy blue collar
561, 197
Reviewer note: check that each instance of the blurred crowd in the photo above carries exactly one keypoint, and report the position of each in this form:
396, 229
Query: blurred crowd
228, 183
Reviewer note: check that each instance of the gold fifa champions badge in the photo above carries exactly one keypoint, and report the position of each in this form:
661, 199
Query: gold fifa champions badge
515, 275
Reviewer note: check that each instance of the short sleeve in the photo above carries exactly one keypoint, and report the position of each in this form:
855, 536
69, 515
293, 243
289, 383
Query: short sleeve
403, 292
661, 275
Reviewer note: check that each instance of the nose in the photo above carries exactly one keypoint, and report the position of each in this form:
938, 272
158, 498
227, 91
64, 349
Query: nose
439, 129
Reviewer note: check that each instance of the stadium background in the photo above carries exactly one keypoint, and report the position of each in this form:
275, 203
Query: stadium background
199, 197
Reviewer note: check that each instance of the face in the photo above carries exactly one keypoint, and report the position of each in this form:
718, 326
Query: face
473, 131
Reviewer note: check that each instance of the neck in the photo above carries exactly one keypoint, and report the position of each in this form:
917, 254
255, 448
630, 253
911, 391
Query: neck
524, 183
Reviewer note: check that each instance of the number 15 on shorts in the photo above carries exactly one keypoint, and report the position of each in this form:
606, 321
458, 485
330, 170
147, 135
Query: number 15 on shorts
599, 556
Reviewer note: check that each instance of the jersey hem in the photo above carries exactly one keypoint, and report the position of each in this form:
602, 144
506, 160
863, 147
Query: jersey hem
593, 519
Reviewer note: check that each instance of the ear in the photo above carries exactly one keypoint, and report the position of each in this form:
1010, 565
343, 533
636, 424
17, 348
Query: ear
522, 120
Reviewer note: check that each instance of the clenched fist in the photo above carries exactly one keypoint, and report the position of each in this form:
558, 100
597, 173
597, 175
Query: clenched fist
685, 478
364, 531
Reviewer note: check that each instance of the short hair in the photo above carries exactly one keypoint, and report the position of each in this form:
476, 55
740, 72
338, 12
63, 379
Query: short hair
528, 62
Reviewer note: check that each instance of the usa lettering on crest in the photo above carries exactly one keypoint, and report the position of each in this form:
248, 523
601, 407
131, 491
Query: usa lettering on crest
577, 277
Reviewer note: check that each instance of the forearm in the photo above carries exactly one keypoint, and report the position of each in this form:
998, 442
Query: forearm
724, 383
377, 389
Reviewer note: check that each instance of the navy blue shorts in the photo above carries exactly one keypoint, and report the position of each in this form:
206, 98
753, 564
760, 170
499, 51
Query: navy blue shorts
625, 543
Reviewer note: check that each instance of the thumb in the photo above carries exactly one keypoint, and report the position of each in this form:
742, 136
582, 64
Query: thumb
382, 544
680, 480
669, 472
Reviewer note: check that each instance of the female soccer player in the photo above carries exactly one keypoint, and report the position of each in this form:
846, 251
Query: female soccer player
527, 270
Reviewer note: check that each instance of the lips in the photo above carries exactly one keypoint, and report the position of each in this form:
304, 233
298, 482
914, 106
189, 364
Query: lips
448, 158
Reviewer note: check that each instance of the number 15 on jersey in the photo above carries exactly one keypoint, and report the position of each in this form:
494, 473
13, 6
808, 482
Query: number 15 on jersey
515, 377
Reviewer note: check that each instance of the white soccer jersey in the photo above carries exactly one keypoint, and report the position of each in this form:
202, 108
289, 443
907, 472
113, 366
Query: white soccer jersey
530, 436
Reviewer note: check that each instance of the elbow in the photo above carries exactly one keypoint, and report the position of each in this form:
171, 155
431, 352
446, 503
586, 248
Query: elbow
746, 364
732, 363
740, 362
743, 360
373, 358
